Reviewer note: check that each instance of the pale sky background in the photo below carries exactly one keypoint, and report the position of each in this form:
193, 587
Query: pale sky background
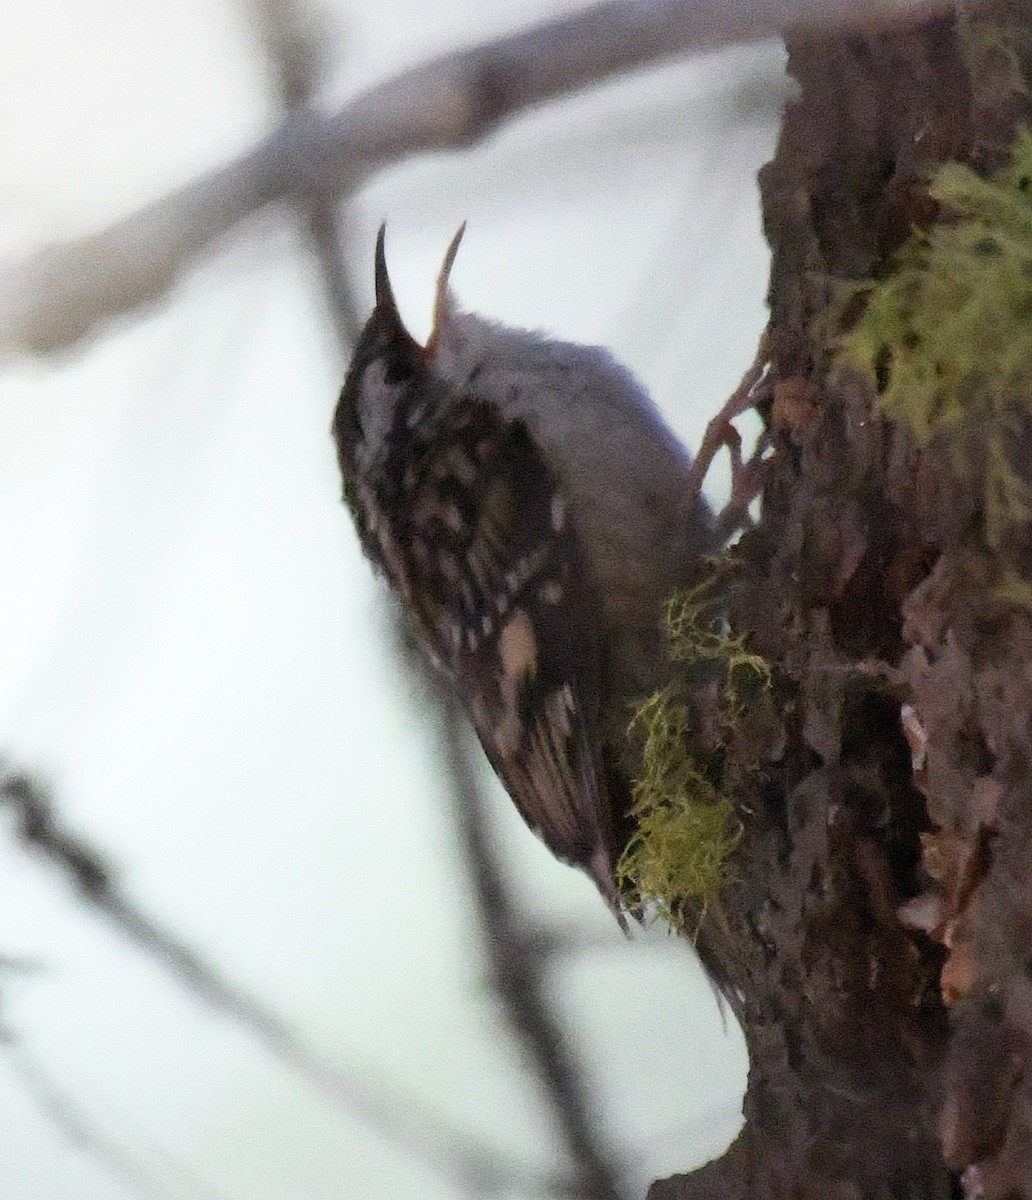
192, 650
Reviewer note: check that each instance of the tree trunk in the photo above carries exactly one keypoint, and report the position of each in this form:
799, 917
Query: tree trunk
874, 930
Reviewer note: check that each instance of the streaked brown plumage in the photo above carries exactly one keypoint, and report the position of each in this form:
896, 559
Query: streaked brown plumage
532, 510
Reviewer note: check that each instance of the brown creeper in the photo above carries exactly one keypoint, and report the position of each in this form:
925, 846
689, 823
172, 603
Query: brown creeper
527, 502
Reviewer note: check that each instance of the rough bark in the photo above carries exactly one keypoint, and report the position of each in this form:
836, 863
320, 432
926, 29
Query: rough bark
874, 933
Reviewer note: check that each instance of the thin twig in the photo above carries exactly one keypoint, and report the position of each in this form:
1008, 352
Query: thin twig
68, 290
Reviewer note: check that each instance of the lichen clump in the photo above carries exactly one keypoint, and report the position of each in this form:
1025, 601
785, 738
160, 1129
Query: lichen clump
686, 826
948, 333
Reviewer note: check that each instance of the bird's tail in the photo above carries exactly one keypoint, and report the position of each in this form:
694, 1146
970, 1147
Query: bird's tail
600, 868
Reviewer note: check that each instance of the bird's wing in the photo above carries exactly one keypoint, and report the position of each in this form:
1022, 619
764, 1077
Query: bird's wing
505, 604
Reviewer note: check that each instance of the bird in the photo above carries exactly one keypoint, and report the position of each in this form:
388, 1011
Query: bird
533, 512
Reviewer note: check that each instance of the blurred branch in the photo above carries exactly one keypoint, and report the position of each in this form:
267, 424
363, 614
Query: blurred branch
397, 1117
79, 1130
296, 46
518, 957
65, 291
16, 965
517, 967
20, 964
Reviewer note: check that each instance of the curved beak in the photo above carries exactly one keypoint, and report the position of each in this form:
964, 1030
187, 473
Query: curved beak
386, 305
443, 300
386, 314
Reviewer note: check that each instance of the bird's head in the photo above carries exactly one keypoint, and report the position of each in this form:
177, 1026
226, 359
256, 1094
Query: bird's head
391, 385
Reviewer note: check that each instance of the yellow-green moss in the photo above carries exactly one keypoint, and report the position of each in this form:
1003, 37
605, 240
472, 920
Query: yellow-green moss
948, 333
686, 828
694, 635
